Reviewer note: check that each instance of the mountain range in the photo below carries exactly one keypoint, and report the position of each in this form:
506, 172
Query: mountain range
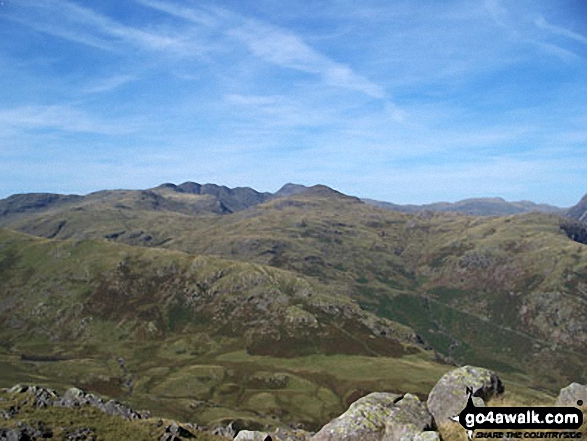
210, 303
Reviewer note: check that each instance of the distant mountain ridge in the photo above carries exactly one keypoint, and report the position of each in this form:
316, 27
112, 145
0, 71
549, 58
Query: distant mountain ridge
233, 199
473, 206
224, 200
188, 198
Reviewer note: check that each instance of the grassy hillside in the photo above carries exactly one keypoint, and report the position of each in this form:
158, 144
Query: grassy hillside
152, 326
317, 284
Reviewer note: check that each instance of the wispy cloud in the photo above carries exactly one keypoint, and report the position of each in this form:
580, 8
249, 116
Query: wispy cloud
521, 28
60, 117
275, 45
81, 25
198, 16
558, 30
288, 50
559, 52
108, 84
405, 101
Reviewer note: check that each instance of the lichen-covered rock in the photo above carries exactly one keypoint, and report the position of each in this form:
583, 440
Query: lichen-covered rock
287, 434
113, 407
427, 436
365, 420
407, 418
74, 394
251, 435
75, 397
570, 395
26, 432
449, 396
41, 396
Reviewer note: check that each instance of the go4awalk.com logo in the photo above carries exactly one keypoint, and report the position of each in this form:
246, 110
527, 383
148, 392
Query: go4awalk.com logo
520, 422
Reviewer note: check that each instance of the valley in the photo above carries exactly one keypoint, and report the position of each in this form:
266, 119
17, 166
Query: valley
214, 305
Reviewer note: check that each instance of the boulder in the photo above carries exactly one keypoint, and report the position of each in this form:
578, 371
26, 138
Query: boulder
113, 407
74, 394
427, 436
252, 435
570, 395
365, 420
289, 434
26, 432
449, 396
407, 418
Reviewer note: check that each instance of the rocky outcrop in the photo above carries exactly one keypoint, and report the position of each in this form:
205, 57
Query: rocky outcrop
574, 394
449, 396
579, 211
391, 417
27, 432
408, 418
41, 397
381, 417
365, 420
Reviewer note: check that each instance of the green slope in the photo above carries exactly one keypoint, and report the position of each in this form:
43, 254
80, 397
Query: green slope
505, 292
71, 309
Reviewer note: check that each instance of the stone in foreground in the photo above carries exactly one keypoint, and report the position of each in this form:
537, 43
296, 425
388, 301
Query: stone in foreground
250, 435
449, 396
409, 417
570, 395
365, 420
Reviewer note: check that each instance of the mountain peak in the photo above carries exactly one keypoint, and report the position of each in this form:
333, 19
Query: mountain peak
315, 190
290, 189
579, 211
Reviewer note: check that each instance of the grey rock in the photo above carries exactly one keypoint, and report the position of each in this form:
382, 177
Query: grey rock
427, 436
175, 431
289, 434
365, 420
449, 396
26, 432
569, 395
10, 413
251, 435
408, 418
11, 435
41, 396
225, 431
74, 394
113, 407
75, 397
80, 434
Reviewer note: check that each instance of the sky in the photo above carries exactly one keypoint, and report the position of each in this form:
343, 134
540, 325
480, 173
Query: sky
402, 101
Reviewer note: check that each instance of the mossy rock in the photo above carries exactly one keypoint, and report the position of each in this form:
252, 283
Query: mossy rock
408, 418
365, 420
449, 396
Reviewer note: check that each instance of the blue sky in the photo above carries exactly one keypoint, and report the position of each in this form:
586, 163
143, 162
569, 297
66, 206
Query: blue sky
403, 101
